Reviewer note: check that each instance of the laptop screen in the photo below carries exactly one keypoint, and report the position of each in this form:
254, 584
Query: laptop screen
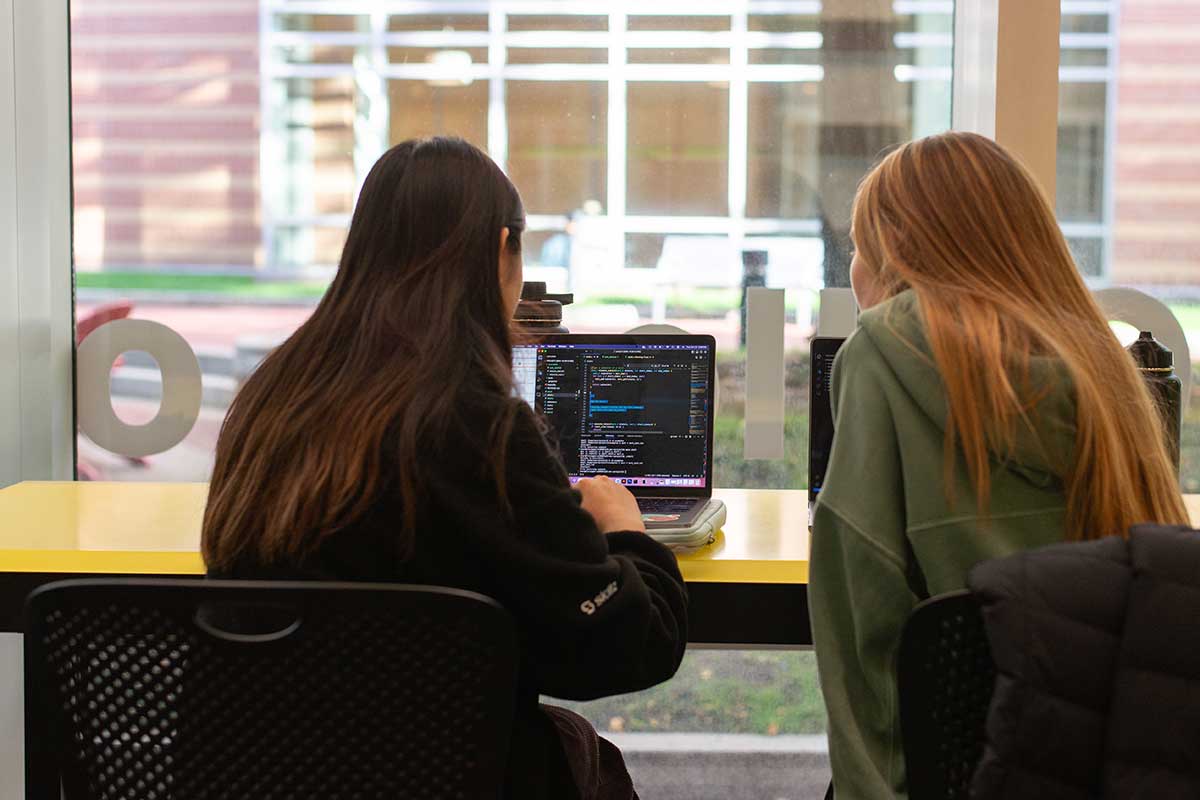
637, 409
822, 351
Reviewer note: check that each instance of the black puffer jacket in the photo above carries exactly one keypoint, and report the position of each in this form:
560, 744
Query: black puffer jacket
1097, 648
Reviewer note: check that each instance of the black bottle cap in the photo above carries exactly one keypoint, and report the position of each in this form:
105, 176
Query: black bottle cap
536, 290
1149, 353
533, 290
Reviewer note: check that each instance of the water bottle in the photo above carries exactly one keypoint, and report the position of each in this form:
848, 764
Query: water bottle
1157, 365
540, 312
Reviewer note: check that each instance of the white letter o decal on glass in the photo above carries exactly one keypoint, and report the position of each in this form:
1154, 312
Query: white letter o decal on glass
181, 388
1146, 313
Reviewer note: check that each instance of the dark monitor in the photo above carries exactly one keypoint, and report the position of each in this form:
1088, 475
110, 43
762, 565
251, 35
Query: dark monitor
636, 408
822, 351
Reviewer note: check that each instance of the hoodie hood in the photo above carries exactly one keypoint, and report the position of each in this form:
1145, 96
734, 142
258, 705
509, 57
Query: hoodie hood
1043, 450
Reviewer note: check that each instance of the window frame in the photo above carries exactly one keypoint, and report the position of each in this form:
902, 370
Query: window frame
37, 421
37, 314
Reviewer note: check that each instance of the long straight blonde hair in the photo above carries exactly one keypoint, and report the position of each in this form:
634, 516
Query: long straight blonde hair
958, 220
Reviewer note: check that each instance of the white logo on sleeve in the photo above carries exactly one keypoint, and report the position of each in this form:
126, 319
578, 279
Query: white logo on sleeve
589, 606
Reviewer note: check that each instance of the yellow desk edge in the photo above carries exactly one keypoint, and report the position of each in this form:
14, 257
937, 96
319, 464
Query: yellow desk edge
696, 567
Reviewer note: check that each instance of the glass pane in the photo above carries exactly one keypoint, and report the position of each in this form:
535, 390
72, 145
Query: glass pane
557, 152
315, 54
1085, 23
662, 55
428, 108
456, 62
1089, 254
781, 55
305, 245
840, 85
1084, 57
784, 159
438, 22
663, 22
769, 702
556, 23
678, 149
320, 22
784, 23
557, 55
1081, 151
316, 122
1128, 169
217, 203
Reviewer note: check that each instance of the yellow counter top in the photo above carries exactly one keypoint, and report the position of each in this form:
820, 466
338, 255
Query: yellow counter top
154, 529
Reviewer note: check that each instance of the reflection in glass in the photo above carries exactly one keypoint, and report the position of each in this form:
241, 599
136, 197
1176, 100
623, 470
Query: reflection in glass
215, 196
1128, 183
1081, 151
678, 149
557, 151
784, 151
429, 108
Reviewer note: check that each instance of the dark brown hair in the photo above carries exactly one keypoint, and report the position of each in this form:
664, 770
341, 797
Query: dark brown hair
411, 335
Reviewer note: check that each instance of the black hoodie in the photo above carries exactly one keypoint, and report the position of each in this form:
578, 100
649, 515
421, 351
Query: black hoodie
596, 614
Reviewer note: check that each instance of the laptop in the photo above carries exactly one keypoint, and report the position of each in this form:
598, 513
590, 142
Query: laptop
822, 352
638, 409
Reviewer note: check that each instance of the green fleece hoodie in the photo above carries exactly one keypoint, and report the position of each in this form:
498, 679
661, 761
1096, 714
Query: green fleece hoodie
886, 534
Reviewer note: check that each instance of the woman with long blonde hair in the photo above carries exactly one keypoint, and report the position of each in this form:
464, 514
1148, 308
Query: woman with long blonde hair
983, 407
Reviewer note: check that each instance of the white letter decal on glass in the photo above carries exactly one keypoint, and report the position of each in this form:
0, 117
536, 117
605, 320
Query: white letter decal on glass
1147, 313
180, 370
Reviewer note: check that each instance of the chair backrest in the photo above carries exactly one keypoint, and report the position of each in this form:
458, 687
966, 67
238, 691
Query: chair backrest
700, 261
946, 677
147, 689
100, 315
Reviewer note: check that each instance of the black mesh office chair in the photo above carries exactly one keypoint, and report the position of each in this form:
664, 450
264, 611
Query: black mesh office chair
946, 677
156, 689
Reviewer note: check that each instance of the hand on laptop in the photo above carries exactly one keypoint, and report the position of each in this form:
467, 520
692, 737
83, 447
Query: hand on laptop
611, 505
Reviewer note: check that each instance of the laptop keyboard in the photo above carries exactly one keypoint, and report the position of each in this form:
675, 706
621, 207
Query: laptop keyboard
666, 505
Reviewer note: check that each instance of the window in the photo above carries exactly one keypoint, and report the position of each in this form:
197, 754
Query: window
217, 159
1088, 84
1128, 171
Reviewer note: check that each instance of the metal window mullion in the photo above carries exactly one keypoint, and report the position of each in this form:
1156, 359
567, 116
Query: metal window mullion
1088, 7
1006, 58
739, 114
269, 150
381, 117
1087, 41
497, 119
372, 133
1086, 74
637, 223
618, 131
11, 466
37, 414
1109, 202
1082, 230
632, 73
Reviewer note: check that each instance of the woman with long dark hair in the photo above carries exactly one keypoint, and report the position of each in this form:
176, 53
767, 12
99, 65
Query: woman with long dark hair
383, 442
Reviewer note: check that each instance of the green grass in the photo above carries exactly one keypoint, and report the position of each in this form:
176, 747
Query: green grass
722, 691
1188, 315
730, 469
680, 303
235, 287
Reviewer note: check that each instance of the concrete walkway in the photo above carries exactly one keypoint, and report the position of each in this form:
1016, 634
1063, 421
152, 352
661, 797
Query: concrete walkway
722, 766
